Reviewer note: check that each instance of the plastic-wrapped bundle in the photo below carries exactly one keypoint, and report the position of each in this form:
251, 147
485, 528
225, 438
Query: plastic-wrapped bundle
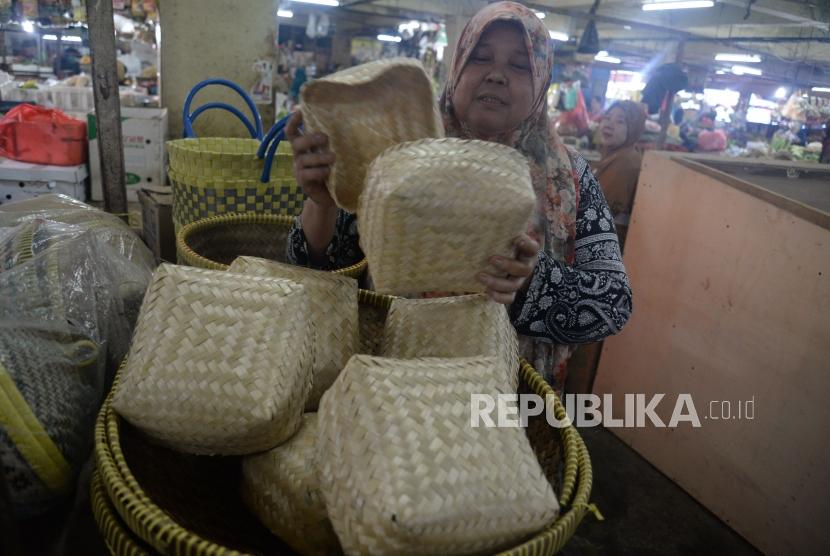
71, 282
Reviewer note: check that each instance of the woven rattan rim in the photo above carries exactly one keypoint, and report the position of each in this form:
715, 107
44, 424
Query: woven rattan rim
118, 540
191, 258
153, 525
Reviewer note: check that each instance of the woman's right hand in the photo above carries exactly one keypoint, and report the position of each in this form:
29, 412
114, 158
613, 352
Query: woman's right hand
312, 161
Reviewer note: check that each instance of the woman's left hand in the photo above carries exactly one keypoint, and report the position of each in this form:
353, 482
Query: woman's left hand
518, 269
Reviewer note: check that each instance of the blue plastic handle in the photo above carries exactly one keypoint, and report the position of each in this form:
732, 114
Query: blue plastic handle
269, 158
232, 109
254, 128
275, 129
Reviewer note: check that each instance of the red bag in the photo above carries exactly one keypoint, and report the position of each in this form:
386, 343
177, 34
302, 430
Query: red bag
42, 136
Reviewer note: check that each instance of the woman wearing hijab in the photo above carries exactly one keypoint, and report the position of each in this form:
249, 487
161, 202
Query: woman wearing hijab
567, 283
619, 169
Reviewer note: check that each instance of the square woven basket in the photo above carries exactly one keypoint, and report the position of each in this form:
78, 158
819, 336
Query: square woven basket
366, 109
435, 211
403, 471
218, 365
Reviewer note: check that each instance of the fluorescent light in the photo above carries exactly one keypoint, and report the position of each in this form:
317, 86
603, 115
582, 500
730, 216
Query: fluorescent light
821, 89
70, 38
781, 92
627, 27
411, 26
557, 36
746, 70
604, 57
50, 37
28, 26
333, 3
540, 15
744, 58
677, 5
389, 38
287, 14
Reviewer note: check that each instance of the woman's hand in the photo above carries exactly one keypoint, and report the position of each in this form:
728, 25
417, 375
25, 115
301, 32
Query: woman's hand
312, 161
519, 270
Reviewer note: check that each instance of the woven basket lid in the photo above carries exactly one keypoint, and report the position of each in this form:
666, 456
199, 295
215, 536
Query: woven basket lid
281, 488
435, 211
332, 308
403, 471
218, 365
365, 110
458, 326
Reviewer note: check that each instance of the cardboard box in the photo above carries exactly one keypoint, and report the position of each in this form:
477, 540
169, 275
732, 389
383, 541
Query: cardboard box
144, 131
24, 180
157, 221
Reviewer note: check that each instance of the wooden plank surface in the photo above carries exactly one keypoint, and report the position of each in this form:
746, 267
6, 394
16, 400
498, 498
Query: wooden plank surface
107, 104
731, 303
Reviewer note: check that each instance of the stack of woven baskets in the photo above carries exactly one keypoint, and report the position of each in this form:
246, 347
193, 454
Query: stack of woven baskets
235, 364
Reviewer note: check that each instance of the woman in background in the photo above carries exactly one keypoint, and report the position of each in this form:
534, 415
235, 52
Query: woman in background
619, 168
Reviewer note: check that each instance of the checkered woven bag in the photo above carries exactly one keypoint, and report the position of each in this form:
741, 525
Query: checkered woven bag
218, 365
212, 176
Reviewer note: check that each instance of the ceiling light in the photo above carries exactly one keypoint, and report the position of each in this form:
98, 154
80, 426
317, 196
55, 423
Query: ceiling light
627, 27
603, 56
70, 38
677, 5
746, 70
720, 72
50, 37
389, 38
821, 89
781, 92
287, 14
540, 15
333, 3
557, 36
28, 26
744, 58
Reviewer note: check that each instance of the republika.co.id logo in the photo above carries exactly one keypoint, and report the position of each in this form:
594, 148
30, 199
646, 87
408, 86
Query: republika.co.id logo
590, 410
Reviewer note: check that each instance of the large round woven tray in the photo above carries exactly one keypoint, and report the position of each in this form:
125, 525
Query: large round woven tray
188, 505
216, 241
118, 539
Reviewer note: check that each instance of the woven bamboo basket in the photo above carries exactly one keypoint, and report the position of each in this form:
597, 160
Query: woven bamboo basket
189, 505
333, 310
422, 220
218, 365
366, 109
402, 470
215, 242
455, 326
217, 175
282, 488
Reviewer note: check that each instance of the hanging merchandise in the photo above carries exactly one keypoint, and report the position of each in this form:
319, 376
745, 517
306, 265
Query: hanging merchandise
137, 8
29, 9
589, 41
78, 10
323, 25
263, 91
5, 10
118, 4
311, 28
664, 82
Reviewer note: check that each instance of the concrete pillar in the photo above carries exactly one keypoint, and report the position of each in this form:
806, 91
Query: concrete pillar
214, 38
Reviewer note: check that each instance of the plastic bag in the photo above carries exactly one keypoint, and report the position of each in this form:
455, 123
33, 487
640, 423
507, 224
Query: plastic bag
71, 284
42, 136
711, 141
